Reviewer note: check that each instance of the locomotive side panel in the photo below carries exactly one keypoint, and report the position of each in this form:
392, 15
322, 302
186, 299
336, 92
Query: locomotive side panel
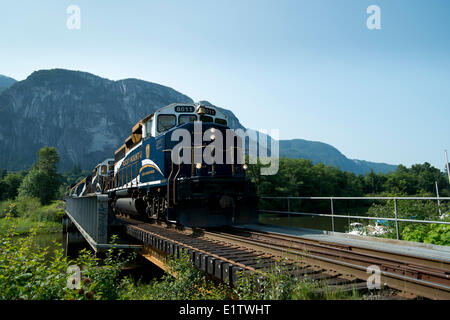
152, 169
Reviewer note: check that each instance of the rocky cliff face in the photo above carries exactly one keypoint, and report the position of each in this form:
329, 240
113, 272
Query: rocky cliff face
84, 116
5, 82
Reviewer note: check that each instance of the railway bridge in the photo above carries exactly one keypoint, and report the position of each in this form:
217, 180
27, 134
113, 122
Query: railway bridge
343, 261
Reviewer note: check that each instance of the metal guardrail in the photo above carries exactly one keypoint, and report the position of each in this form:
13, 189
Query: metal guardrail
333, 215
91, 214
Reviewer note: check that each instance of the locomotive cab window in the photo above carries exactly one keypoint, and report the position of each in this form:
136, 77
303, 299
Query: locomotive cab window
221, 121
186, 118
204, 118
166, 122
119, 154
129, 143
148, 128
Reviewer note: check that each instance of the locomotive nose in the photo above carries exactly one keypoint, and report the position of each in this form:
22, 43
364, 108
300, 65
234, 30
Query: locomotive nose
226, 202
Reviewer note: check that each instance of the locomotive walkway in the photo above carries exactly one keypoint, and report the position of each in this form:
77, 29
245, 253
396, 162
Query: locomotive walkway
342, 261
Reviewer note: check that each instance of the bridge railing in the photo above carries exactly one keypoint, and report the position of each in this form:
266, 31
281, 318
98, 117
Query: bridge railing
332, 215
91, 214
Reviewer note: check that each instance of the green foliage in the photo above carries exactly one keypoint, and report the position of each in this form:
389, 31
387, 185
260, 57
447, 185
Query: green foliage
418, 179
101, 277
415, 209
408, 209
8, 206
300, 177
431, 233
43, 180
9, 185
27, 212
26, 272
189, 284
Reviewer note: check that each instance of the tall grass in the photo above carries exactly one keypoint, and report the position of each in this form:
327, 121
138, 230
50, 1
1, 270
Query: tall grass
27, 212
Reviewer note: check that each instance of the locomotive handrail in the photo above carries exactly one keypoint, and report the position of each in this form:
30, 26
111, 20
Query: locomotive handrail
192, 162
174, 180
168, 179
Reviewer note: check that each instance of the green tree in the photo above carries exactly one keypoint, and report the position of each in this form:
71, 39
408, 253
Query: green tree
10, 185
3, 190
43, 180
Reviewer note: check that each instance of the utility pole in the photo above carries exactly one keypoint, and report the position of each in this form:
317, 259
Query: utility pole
448, 170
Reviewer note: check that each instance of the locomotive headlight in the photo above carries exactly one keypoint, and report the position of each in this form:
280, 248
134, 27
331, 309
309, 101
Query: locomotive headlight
213, 130
245, 167
198, 165
213, 137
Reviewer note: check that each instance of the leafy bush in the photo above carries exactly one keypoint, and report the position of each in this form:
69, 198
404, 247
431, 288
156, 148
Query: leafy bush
431, 233
189, 284
28, 207
420, 210
8, 206
26, 272
9, 185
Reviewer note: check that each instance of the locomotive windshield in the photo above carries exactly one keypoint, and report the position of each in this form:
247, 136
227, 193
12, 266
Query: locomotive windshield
166, 121
187, 118
204, 118
221, 121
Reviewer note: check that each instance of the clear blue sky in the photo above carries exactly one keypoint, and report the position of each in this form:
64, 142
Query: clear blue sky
309, 68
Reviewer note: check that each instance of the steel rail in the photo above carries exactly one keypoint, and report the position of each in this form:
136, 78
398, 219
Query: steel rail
399, 261
333, 259
428, 289
423, 262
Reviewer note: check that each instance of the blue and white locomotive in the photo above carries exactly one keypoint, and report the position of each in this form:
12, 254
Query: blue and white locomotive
147, 182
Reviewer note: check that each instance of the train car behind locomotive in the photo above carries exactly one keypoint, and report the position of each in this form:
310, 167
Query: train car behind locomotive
96, 182
148, 183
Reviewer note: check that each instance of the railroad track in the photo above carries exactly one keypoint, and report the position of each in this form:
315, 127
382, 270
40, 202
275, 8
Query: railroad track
226, 252
412, 275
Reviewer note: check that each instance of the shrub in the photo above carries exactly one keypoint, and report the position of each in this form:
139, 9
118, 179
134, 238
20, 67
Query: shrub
432, 233
190, 283
8, 206
27, 273
28, 207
